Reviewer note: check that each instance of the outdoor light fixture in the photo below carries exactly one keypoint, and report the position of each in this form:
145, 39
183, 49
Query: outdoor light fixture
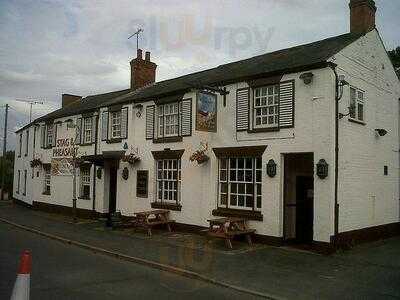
341, 83
139, 110
381, 131
98, 173
307, 77
125, 173
322, 169
271, 168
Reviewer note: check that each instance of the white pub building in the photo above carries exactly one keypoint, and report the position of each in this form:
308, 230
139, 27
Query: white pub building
303, 142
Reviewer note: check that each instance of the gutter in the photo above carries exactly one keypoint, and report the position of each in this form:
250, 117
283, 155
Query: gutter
336, 211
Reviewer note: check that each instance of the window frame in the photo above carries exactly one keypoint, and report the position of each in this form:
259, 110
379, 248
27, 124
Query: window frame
161, 119
20, 145
27, 143
161, 181
256, 182
47, 180
87, 131
25, 181
357, 102
49, 133
85, 181
18, 182
275, 106
115, 115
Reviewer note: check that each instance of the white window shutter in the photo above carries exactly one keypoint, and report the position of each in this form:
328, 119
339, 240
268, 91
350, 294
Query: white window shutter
286, 104
124, 123
94, 129
186, 117
104, 126
79, 131
242, 109
150, 122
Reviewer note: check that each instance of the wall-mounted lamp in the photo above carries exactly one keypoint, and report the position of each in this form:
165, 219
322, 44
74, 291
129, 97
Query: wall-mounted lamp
307, 77
322, 169
341, 83
139, 109
271, 168
381, 131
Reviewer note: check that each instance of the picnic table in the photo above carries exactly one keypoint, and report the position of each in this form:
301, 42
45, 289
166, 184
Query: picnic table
148, 219
228, 228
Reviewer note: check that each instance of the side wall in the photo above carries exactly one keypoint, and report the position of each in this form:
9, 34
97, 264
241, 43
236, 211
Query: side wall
366, 196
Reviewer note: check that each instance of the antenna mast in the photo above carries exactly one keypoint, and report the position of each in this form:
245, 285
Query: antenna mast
137, 37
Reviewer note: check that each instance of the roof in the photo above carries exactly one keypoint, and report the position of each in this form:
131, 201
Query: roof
281, 61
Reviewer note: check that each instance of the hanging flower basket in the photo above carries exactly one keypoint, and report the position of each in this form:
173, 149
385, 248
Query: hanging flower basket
200, 156
36, 162
131, 158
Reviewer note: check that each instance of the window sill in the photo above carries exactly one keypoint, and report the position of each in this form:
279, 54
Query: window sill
83, 198
357, 121
46, 193
169, 139
163, 205
270, 129
227, 212
114, 141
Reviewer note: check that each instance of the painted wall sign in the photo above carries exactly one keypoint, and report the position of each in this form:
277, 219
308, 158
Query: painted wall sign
61, 162
206, 112
64, 148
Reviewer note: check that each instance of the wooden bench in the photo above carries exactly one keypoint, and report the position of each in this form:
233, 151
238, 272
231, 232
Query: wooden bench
228, 228
148, 219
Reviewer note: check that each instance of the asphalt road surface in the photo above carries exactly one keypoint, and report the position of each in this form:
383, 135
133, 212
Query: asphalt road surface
61, 271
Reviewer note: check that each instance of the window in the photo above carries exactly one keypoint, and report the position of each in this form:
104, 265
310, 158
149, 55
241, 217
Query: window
27, 143
240, 183
266, 106
47, 180
116, 124
356, 104
20, 145
168, 180
18, 182
25, 178
87, 130
85, 183
168, 119
49, 134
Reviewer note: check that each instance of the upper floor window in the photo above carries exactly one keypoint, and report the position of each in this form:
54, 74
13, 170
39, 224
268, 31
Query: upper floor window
27, 143
20, 145
168, 119
266, 106
115, 124
49, 134
357, 102
87, 130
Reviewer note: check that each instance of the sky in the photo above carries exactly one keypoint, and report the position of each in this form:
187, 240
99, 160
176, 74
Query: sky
50, 47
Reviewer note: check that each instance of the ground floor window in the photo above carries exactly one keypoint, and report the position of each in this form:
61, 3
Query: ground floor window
47, 180
85, 182
168, 180
25, 179
240, 183
18, 182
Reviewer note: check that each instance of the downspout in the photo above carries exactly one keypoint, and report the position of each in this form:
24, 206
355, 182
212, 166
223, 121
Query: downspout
94, 169
336, 210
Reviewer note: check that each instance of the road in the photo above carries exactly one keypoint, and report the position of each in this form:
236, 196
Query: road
61, 271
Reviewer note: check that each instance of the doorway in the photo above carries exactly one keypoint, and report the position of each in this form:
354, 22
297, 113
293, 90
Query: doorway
299, 198
112, 196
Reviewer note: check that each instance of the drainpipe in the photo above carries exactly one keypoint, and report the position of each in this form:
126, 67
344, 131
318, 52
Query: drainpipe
94, 169
336, 211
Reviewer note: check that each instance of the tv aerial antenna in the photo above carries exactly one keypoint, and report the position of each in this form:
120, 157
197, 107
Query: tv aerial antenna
140, 30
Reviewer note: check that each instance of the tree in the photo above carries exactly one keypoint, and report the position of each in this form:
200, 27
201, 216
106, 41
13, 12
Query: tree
8, 164
395, 57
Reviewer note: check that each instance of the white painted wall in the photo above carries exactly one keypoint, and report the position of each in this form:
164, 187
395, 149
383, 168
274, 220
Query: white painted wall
367, 197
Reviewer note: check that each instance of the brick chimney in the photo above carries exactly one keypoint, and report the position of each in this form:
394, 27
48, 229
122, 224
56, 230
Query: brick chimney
362, 16
143, 72
68, 99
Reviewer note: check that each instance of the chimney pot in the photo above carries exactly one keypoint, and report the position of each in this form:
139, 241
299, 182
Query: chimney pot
147, 56
139, 54
362, 16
